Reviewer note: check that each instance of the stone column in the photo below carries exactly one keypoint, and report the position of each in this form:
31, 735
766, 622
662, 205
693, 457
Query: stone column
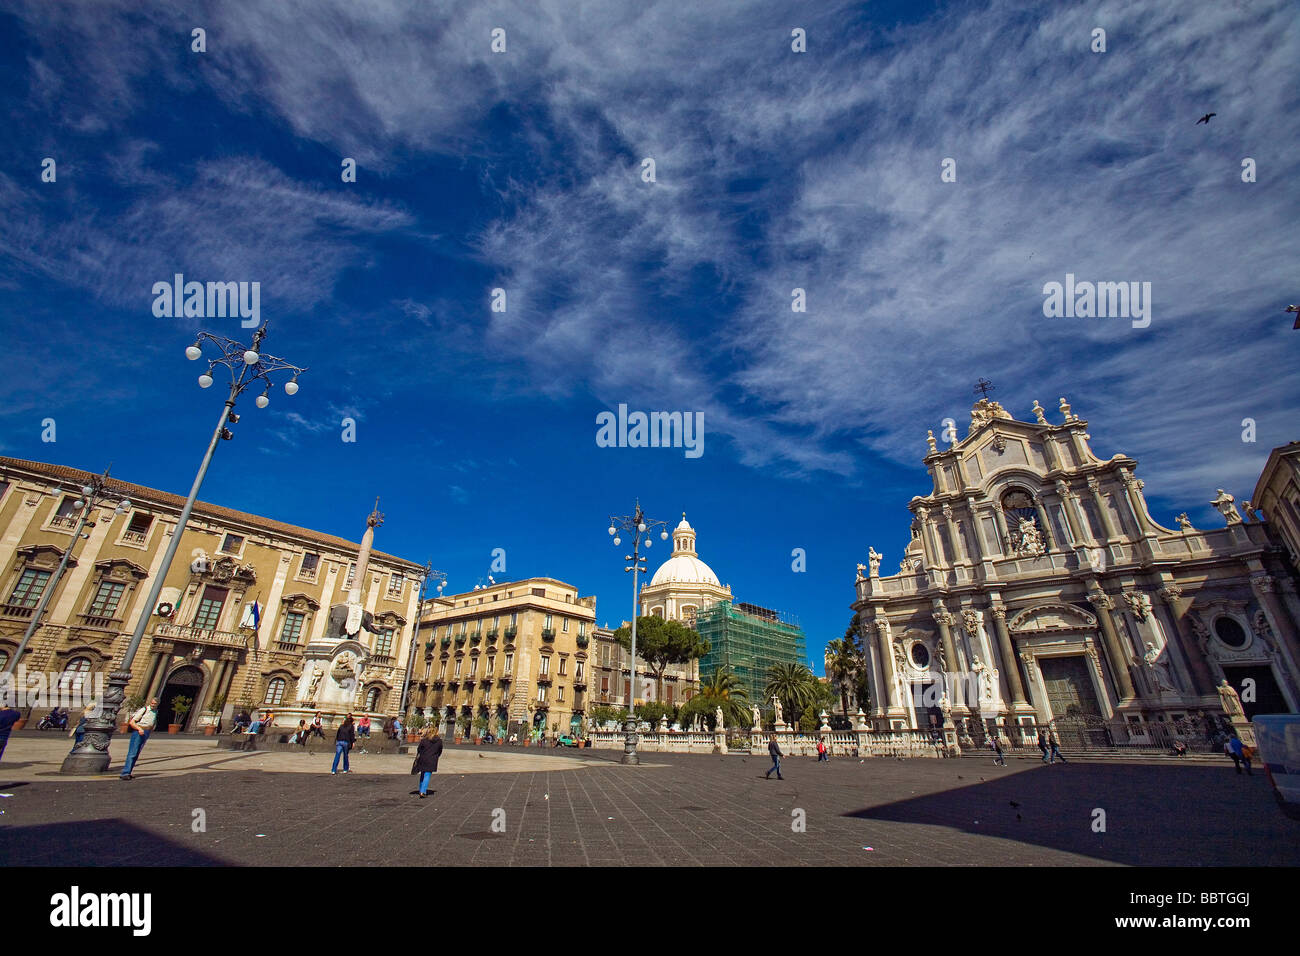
1094, 486
1264, 587
1010, 666
1202, 679
928, 540
1045, 525
1114, 648
945, 620
1000, 522
209, 687
1072, 518
887, 667
952, 534
974, 519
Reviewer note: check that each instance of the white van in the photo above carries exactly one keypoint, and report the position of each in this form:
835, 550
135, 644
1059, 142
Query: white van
1278, 736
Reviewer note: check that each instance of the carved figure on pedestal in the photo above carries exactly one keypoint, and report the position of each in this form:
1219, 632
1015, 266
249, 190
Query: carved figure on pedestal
1230, 700
874, 559
1158, 669
1027, 540
776, 707
758, 717
1224, 502
719, 724
1184, 522
314, 683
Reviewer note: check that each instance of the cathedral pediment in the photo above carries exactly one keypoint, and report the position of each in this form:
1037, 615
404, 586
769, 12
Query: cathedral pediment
1052, 617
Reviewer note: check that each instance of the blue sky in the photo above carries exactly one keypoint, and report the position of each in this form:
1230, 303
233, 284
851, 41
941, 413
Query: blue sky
521, 170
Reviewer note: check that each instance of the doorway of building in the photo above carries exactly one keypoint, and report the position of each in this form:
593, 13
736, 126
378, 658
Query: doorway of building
1262, 695
184, 682
1072, 698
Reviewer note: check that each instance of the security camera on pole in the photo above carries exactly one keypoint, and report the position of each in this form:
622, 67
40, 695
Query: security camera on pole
637, 524
248, 365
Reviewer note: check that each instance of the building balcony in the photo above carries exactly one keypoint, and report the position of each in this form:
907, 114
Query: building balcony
548, 635
437, 682
460, 640
445, 643
382, 660
510, 633
543, 678
583, 640
202, 635
17, 610
287, 647
63, 521
134, 537
475, 639
506, 678
492, 636
579, 683
98, 620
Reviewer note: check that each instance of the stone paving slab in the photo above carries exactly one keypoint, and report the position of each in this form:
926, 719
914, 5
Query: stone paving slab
585, 809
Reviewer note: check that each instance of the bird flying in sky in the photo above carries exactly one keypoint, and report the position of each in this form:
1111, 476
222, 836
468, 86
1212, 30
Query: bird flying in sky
1205, 119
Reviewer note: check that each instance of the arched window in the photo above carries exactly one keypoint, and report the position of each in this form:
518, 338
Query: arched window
275, 691
4, 659
372, 700
74, 675
1016, 502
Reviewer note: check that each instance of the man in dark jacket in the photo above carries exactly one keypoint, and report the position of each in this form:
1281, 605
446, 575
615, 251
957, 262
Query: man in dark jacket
1042, 744
776, 755
10, 716
426, 760
344, 738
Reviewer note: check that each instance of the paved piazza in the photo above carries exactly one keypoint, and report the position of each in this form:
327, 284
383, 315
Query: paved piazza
574, 808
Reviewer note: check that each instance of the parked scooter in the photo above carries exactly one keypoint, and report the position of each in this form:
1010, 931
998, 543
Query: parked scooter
57, 719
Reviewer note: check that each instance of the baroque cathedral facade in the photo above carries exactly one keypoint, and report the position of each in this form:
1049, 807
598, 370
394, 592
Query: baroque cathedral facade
1038, 588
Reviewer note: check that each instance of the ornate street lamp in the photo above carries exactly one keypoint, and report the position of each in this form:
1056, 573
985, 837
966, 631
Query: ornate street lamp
636, 525
248, 366
93, 494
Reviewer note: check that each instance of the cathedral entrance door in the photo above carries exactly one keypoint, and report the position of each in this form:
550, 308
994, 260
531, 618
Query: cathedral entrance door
1267, 697
1073, 700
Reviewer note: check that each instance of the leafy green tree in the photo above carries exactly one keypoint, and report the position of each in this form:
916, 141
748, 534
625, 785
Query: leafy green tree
604, 713
652, 710
723, 689
794, 685
842, 665
661, 642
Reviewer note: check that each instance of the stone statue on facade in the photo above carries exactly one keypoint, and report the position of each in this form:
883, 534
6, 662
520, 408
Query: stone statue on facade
1159, 669
314, 683
1184, 522
719, 724
1225, 504
1230, 700
986, 410
874, 560
1027, 539
945, 708
1251, 513
861, 576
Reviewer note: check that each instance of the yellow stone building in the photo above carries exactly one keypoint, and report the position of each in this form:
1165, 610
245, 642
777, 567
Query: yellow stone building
512, 657
200, 641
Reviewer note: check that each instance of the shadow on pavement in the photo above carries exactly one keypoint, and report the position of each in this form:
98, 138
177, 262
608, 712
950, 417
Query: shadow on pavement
95, 843
1224, 819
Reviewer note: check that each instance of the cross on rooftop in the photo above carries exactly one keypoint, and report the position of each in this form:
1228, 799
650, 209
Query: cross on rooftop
984, 386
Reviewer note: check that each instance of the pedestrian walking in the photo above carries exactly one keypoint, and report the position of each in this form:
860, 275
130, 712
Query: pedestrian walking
397, 729
1056, 749
8, 717
1042, 745
822, 753
344, 738
995, 745
1239, 753
776, 755
142, 723
426, 760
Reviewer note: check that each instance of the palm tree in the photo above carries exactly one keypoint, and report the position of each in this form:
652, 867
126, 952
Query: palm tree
725, 690
843, 667
793, 684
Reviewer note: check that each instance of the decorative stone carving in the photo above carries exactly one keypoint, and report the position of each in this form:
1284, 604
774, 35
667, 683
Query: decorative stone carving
1170, 593
929, 440
314, 683
1027, 540
1184, 522
1065, 410
971, 619
1225, 506
1251, 513
343, 668
860, 577
874, 560
1263, 582
999, 442
758, 717
1139, 604
942, 616
776, 707
986, 410
718, 723
999, 612
1259, 624
1038, 414
1102, 600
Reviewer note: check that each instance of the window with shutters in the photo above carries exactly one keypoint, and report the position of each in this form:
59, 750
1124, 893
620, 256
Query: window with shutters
106, 599
31, 585
292, 630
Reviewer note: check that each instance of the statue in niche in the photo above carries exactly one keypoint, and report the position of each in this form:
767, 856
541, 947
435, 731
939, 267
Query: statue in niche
1027, 539
314, 683
1158, 669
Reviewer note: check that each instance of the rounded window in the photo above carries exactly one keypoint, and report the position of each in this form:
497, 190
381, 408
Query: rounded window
1230, 632
920, 655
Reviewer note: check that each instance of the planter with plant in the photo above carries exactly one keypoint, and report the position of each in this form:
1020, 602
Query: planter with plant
212, 716
480, 725
180, 708
462, 727
415, 726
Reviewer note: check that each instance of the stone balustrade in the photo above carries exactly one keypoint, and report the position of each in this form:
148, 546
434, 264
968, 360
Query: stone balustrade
861, 743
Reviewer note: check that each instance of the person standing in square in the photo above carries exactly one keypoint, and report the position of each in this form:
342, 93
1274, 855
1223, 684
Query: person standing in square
142, 723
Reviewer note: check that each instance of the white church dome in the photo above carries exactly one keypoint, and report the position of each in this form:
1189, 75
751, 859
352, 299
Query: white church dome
684, 569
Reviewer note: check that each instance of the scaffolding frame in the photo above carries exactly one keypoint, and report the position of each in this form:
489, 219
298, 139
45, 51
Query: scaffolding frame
748, 644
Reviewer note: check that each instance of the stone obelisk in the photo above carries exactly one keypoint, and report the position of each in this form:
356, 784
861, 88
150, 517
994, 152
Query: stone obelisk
332, 665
